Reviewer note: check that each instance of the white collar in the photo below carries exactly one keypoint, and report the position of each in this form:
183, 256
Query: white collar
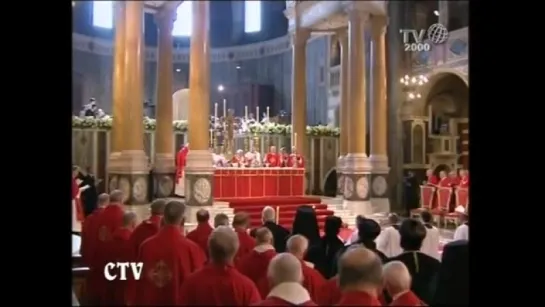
263, 248
291, 292
395, 297
309, 264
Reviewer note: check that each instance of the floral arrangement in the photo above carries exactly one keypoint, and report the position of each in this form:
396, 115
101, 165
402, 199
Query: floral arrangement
105, 123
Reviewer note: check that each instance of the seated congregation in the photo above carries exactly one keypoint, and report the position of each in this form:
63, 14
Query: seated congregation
218, 265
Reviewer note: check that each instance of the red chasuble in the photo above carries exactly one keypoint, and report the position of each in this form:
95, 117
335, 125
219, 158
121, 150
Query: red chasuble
285, 160
407, 299
247, 244
273, 159
168, 258
432, 180
200, 236
120, 251
445, 182
88, 236
356, 298
464, 182
180, 161
218, 285
296, 160
106, 223
75, 196
287, 294
330, 294
254, 265
238, 161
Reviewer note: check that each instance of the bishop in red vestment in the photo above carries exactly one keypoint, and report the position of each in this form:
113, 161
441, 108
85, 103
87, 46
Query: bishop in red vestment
444, 181
241, 222
431, 178
106, 223
272, 158
464, 179
284, 157
200, 234
219, 282
181, 157
168, 259
296, 159
254, 265
454, 179
360, 277
238, 160
80, 216
330, 294
397, 282
285, 276
89, 229
119, 250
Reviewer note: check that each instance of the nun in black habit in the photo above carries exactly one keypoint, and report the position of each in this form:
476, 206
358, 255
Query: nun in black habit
306, 224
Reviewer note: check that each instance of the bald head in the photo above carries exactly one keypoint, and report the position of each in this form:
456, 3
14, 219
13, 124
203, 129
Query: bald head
268, 215
297, 245
129, 219
203, 216
223, 245
174, 213
358, 267
103, 200
263, 236
157, 207
397, 278
221, 219
241, 220
116, 196
284, 268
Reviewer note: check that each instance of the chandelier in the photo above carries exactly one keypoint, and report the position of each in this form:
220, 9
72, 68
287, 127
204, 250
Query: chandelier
411, 85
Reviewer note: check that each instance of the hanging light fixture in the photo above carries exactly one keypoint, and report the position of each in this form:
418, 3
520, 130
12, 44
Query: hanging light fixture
411, 85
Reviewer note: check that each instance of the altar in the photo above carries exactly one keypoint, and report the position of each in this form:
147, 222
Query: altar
258, 182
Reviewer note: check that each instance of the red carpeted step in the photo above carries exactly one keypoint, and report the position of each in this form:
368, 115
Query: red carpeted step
271, 201
283, 208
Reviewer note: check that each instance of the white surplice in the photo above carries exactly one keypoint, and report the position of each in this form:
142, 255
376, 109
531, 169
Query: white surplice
388, 242
462, 232
430, 246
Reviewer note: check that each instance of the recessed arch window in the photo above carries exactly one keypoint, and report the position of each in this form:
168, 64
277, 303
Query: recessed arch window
103, 14
184, 20
252, 16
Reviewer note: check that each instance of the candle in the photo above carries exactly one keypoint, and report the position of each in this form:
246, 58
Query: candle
268, 112
246, 112
224, 107
211, 137
215, 111
295, 140
257, 114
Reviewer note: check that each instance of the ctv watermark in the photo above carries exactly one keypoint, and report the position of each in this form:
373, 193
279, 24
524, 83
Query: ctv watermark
421, 40
118, 270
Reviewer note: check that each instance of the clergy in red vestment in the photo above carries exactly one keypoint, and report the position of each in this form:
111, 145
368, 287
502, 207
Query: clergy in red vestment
181, 157
285, 276
454, 180
168, 259
241, 221
360, 277
313, 281
221, 219
238, 160
77, 206
296, 159
431, 178
89, 230
397, 282
119, 250
200, 234
141, 233
330, 294
284, 157
272, 158
254, 265
219, 283
464, 179
107, 222
444, 181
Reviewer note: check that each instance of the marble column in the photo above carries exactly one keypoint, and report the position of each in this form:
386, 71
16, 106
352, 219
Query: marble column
443, 12
357, 167
344, 110
379, 117
200, 170
116, 136
132, 174
299, 92
163, 167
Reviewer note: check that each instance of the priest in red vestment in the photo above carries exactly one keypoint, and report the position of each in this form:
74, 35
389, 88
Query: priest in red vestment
77, 206
360, 277
241, 221
464, 179
444, 181
254, 265
119, 250
272, 158
397, 282
106, 223
238, 160
454, 180
296, 159
89, 229
431, 178
200, 234
181, 157
285, 276
168, 259
219, 283
330, 294
284, 157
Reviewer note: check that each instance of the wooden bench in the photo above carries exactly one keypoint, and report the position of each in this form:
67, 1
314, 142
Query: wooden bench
79, 278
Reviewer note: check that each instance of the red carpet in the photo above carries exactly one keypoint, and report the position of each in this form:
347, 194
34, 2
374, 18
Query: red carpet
285, 207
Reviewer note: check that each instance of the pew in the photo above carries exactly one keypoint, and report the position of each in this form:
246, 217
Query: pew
79, 277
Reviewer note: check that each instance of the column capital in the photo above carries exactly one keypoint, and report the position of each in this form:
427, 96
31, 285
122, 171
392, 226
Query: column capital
165, 20
342, 36
300, 36
378, 25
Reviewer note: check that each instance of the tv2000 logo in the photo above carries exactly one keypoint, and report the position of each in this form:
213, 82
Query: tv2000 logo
414, 40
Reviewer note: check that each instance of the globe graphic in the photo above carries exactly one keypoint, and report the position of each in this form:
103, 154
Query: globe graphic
437, 33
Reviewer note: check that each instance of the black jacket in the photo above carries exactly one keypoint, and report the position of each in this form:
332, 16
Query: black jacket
280, 235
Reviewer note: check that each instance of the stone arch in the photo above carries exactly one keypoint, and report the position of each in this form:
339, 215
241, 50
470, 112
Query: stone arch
440, 81
330, 183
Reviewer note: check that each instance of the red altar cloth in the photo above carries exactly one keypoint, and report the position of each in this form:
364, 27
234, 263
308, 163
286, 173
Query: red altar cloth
259, 182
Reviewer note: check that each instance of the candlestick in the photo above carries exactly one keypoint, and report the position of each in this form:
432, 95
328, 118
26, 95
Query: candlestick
268, 113
246, 112
224, 107
215, 111
295, 140
257, 114
211, 138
